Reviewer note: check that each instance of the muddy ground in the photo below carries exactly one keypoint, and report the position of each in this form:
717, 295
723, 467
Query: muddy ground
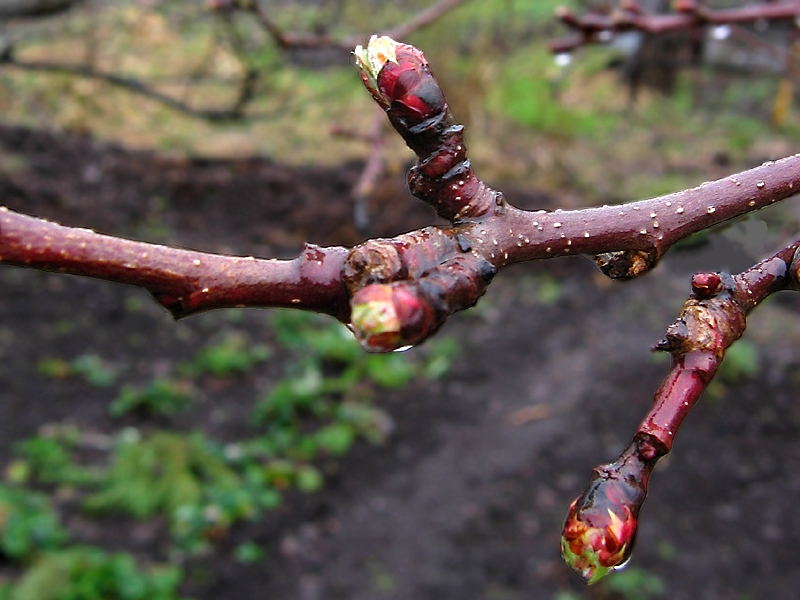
465, 500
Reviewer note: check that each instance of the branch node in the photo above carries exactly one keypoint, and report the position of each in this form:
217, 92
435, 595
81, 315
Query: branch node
625, 264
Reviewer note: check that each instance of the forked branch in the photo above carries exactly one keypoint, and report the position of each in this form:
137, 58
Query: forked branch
601, 526
396, 292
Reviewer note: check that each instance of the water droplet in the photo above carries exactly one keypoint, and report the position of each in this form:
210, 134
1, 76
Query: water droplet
643, 231
667, 203
563, 59
535, 223
653, 215
760, 184
636, 208
556, 225
711, 210
721, 32
751, 203
541, 228
527, 240
679, 210
196, 263
403, 348
586, 234
655, 224
548, 249
494, 242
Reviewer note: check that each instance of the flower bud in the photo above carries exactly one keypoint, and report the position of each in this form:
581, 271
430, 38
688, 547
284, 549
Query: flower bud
389, 317
597, 539
601, 524
371, 60
399, 78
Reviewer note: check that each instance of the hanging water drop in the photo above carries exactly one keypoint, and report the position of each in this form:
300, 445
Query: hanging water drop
563, 59
721, 32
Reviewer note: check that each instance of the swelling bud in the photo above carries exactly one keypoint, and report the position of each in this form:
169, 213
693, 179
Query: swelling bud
387, 317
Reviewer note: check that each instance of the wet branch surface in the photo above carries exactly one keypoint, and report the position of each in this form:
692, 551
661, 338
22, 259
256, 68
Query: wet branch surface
600, 529
396, 292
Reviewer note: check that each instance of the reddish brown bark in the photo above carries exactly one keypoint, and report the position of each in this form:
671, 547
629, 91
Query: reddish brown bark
600, 528
183, 281
689, 14
398, 291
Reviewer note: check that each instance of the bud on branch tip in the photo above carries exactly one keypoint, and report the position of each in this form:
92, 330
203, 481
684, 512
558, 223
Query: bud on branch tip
599, 542
372, 59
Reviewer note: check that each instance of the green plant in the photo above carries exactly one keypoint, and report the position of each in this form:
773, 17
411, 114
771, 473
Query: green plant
160, 473
90, 367
635, 584
28, 524
231, 355
160, 397
87, 573
48, 459
190, 480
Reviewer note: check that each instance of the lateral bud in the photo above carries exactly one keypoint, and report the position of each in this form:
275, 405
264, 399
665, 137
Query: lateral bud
387, 317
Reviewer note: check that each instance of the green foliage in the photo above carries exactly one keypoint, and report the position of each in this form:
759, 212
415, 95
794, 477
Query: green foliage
48, 459
635, 584
160, 397
190, 480
86, 573
333, 381
741, 362
527, 90
28, 524
230, 356
248, 553
90, 367
159, 473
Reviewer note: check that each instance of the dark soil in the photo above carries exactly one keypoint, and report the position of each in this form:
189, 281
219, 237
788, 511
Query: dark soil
465, 500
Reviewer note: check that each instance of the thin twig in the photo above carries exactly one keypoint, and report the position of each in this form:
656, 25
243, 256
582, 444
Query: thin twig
593, 28
131, 84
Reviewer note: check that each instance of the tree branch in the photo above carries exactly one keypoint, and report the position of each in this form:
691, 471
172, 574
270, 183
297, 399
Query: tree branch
601, 526
425, 276
309, 40
184, 282
593, 28
137, 86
